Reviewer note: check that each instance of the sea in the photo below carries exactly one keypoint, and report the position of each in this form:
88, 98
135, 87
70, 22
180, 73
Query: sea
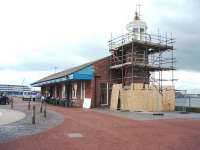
188, 102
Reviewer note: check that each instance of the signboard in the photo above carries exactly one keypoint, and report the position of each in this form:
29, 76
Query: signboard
87, 103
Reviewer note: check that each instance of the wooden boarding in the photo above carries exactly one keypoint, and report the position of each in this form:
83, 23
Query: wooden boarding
138, 86
147, 99
115, 96
168, 99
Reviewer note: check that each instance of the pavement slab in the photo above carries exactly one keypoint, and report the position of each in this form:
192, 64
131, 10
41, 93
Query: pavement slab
15, 124
101, 131
8, 116
142, 116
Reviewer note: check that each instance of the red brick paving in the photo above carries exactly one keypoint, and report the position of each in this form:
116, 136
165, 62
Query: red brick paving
105, 132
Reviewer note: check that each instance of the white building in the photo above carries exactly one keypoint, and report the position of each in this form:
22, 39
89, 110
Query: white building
16, 90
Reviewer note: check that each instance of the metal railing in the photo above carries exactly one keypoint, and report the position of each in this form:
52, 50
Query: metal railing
142, 37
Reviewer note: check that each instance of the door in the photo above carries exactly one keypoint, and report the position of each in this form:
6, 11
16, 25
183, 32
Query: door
67, 91
104, 93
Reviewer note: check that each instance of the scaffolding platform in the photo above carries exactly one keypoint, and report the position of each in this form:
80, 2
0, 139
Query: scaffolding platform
146, 52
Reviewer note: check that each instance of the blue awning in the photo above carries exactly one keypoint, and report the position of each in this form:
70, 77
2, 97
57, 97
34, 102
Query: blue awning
83, 74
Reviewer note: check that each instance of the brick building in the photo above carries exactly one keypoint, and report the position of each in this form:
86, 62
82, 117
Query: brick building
89, 80
138, 59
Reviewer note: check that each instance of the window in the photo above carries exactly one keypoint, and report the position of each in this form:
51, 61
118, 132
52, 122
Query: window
142, 30
135, 29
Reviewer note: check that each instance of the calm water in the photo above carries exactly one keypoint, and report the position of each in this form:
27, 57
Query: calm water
194, 102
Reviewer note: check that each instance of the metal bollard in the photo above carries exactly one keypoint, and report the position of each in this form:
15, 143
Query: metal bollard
41, 108
33, 115
11, 103
189, 101
29, 105
45, 110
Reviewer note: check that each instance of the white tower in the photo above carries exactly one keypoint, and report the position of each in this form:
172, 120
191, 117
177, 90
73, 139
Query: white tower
137, 27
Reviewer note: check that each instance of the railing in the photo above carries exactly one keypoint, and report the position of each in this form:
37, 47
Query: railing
127, 58
162, 61
143, 37
188, 102
140, 59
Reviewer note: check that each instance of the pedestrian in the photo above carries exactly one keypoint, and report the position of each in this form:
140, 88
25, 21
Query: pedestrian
43, 99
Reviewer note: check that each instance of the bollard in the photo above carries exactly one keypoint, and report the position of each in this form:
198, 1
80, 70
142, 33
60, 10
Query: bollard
11, 103
33, 115
189, 102
29, 105
41, 108
45, 110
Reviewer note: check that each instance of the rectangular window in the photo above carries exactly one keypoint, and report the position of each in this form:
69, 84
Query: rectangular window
142, 30
135, 30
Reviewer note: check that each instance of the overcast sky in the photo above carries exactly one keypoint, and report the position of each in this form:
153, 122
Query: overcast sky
37, 35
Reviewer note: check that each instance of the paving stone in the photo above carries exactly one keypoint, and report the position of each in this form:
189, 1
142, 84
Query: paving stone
102, 131
24, 127
74, 135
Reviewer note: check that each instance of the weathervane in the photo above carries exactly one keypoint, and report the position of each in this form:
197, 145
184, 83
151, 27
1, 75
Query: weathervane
138, 6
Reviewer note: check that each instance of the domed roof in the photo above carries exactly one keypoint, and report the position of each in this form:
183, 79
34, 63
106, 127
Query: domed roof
136, 24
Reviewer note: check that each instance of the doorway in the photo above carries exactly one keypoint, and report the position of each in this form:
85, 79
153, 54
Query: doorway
68, 91
104, 93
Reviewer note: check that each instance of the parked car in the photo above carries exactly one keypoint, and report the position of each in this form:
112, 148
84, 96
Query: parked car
4, 100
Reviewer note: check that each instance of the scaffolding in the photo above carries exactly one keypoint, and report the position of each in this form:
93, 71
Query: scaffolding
136, 58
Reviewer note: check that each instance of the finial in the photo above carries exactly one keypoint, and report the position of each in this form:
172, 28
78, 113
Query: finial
136, 16
137, 12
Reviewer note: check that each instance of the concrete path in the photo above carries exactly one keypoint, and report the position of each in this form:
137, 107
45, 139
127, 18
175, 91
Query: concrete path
89, 130
14, 124
149, 115
8, 116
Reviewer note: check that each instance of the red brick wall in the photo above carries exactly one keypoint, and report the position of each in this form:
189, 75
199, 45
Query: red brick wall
88, 92
59, 88
100, 75
92, 88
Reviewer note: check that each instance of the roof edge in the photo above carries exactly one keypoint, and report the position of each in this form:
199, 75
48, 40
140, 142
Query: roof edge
81, 67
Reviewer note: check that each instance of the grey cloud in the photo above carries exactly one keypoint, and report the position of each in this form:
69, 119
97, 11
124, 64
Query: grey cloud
62, 57
94, 50
41, 65
185, 25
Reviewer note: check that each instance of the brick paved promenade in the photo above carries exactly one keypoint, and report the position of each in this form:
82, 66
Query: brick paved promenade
89, 130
